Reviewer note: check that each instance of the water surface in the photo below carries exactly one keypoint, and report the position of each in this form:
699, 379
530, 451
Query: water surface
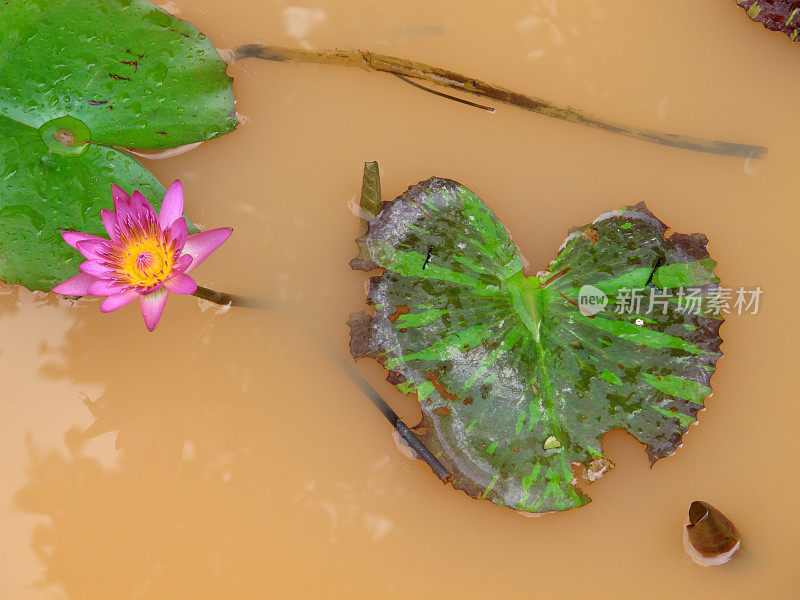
227, 457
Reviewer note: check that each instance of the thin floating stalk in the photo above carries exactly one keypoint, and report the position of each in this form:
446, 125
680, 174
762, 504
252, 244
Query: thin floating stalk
402, 429
419, 86
408, 69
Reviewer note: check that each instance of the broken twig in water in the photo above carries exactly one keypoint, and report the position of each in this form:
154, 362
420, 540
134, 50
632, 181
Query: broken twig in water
407, 69
442, 94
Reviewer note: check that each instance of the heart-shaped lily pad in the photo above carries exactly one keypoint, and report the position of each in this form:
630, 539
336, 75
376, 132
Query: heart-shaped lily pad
78, 78
517, 376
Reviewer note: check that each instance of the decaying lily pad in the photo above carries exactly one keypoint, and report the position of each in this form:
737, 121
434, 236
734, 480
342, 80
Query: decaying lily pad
516, 383
776, 15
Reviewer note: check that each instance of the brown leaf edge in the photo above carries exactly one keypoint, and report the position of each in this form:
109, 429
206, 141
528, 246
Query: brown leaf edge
775, 15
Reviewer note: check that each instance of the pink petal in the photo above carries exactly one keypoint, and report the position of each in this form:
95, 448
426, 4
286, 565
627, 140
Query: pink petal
105, 287
141, 208
75, 286
153, 307
118, 194
93, 249
122, 206
201, 245
182, 263
110, 222
96, 268
116, 301
172, 207
177, 233
73, 237
181, 284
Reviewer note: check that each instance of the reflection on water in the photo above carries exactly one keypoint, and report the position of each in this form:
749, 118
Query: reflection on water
198, 467
300, 21
224, 455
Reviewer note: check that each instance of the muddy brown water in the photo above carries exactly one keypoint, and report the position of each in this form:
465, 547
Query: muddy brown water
232, 459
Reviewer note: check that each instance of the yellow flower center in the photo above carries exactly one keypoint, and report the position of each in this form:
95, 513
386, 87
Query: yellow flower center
145, 262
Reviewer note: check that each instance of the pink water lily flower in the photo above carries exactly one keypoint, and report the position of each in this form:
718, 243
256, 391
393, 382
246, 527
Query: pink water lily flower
147, 257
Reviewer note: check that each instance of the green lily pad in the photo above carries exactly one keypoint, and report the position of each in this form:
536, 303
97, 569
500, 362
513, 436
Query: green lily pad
43, 192
517, 380
78, 78
134, 74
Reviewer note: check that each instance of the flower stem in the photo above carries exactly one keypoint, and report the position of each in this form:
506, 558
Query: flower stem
214, 296
407, 69
225, 299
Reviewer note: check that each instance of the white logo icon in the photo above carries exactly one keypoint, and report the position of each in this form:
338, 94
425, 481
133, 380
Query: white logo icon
591, 300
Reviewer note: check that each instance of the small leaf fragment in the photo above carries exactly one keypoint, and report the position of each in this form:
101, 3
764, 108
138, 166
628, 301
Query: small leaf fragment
551, 442
711, 534
597, 468
369, 207
370, 191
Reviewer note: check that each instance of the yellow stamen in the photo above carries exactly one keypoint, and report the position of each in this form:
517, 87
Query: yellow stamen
145, 262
